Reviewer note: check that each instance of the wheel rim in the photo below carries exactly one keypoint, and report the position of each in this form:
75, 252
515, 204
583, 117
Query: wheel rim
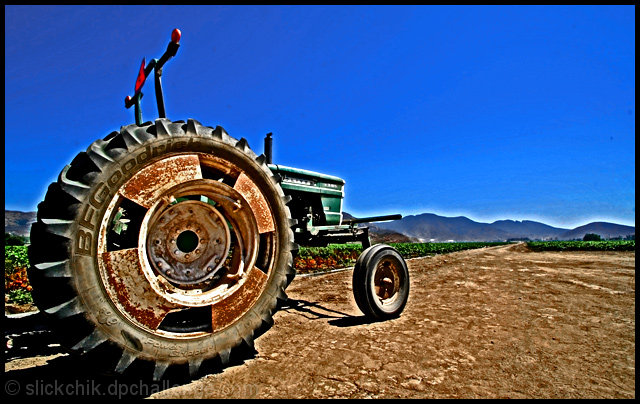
198, 248
387, 280
187, 242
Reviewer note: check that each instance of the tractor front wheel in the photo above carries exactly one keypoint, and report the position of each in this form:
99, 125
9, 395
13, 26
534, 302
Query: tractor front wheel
381, 282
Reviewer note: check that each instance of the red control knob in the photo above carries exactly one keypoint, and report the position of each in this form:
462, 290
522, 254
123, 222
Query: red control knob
175, 36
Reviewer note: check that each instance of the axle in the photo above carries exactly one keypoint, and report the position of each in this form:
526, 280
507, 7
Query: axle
372, 219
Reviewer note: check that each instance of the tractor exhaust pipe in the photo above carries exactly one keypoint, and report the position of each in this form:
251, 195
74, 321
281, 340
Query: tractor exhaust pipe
268, 148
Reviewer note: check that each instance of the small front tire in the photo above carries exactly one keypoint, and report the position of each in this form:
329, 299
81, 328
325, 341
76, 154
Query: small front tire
381, 282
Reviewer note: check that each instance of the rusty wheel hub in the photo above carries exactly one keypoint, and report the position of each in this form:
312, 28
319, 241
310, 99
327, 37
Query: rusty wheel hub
188, 242
386, 281
198, 242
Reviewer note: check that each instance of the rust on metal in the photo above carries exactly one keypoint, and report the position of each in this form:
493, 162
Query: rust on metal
132, 291
225, 167
190, 289
225, 312
247, 188
210, 244
146, 186
386, 280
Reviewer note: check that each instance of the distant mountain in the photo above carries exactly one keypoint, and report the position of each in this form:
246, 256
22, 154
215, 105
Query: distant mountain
528, 229
431, 227
603, 229
18, 222
426, 227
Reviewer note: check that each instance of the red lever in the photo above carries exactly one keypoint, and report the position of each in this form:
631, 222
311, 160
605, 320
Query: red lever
175, 36
141, 78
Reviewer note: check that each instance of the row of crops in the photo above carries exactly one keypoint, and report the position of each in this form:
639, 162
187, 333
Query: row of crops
605, 245
16, 283
309, 259
318, 259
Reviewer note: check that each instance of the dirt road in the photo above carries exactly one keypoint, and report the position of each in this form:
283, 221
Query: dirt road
499, 322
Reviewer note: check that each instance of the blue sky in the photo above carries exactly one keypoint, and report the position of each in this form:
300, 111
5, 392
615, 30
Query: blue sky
521, 112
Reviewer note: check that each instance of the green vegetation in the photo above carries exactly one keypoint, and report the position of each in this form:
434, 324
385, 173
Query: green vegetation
317, 259
12, 239
603, 245
15, 257
20, 296
413, 250
592, 237
16, 282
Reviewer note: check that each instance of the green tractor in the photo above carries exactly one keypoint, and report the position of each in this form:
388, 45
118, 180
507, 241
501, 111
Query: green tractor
173, 242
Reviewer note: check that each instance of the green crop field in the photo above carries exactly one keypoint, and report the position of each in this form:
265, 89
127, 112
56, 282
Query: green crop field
319, 259
16, 283
605, 245
413, 250
309, 259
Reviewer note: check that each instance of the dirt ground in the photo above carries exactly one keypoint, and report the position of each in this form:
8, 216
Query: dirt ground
498, 322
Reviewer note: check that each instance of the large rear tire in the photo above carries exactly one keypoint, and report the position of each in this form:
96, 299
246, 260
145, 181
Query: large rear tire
169, 240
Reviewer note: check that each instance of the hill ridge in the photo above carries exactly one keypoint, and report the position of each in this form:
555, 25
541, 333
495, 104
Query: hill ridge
429, 227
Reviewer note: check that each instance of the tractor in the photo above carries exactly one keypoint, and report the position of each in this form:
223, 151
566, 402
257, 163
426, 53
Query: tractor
173, 242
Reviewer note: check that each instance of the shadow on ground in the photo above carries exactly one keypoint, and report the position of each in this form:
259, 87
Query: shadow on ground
37, 365
316, 311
